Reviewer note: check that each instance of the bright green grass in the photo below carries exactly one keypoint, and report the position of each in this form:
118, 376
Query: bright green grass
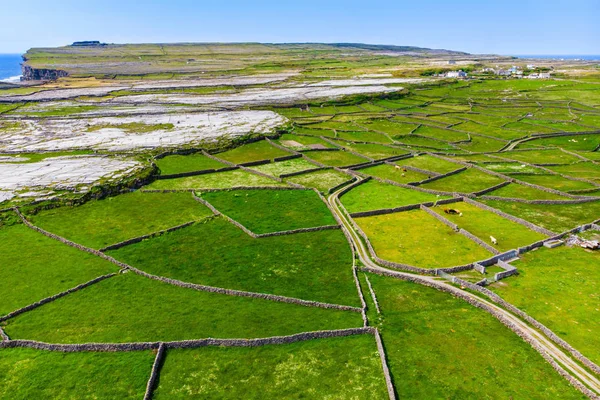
385, 171
34, 267
420, 141
264, 211
586, 170
555, 217
469, 181
36, 374
376, 151
219, 180
390, 127
335, 158
482, 144
484, 224
440, 134
312, 266
541, 156
372, 137
555, 182
417, 238
285, 167
579, 142
431, 339
100, 223
344, 368
261, 150
131, 308
430, 163
375, 195
321, 180
177, 164
560, 288
310, 130
514, 190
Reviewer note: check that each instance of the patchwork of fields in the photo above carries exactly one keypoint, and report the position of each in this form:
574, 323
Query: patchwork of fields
292, 247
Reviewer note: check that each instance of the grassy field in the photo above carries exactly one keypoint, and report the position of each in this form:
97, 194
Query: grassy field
542, 156
301, 142
321, 180
264, 211
416, 238
385, 171
375, 195
177, 164
335, 158
375, 151
430, 163
219, 180
338, 368
284, 167
560, 288
515, 190
261, 150
441, 347
586, 170
555, 182
484, 224
468, 181
555, 217
36, 374
34, 267
131, 308
311, 266
103, 222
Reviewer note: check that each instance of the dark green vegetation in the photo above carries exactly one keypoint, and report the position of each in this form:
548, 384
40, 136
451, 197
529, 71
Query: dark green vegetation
36, 374
560, 288
325, 368
375, 195
34, 267
311, 266
264, 211
432, 339
131, 308
104, 222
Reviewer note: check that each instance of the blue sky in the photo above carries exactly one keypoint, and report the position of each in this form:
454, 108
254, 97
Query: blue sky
483, 26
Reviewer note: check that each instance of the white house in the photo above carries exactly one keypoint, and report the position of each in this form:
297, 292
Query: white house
456, 74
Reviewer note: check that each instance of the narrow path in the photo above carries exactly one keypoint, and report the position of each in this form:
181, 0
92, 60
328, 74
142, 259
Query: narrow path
572, 367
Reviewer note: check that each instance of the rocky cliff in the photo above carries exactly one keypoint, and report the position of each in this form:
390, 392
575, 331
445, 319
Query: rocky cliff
41, 74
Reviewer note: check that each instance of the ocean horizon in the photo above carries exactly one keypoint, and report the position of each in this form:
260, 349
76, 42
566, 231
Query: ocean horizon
10, 67
587, 57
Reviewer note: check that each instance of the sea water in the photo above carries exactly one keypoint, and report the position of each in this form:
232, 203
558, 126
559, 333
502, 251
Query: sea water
10, 67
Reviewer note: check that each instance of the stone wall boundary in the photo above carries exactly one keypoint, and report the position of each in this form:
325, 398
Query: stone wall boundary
440, 218
363, 303
299, 230
242, 293
478, 241
526, 201
195, 173
521, 221
186, 344
156, 366
148, 236
3, 335
386, 370
207, 154
491, 189
353, 185
341, 185
254, 163
285, 158
476, 303
55, 297
373, 296
411, 168
306, 171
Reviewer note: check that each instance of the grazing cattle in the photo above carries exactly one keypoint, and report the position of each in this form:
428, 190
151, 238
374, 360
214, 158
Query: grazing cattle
494, 241
452, 211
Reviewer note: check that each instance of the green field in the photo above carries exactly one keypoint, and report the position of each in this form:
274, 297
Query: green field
104, 222
37, 374
321, 180
515, 190
556, 182
385, 171
285, 167
265, 211
484, 224
311, 266
469, 181
34, 267
441, 347
560, 288
177, 164
220, 180
131, 308
335, 158
406, 238
375, 195
347, 368
430, 163
256, 151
